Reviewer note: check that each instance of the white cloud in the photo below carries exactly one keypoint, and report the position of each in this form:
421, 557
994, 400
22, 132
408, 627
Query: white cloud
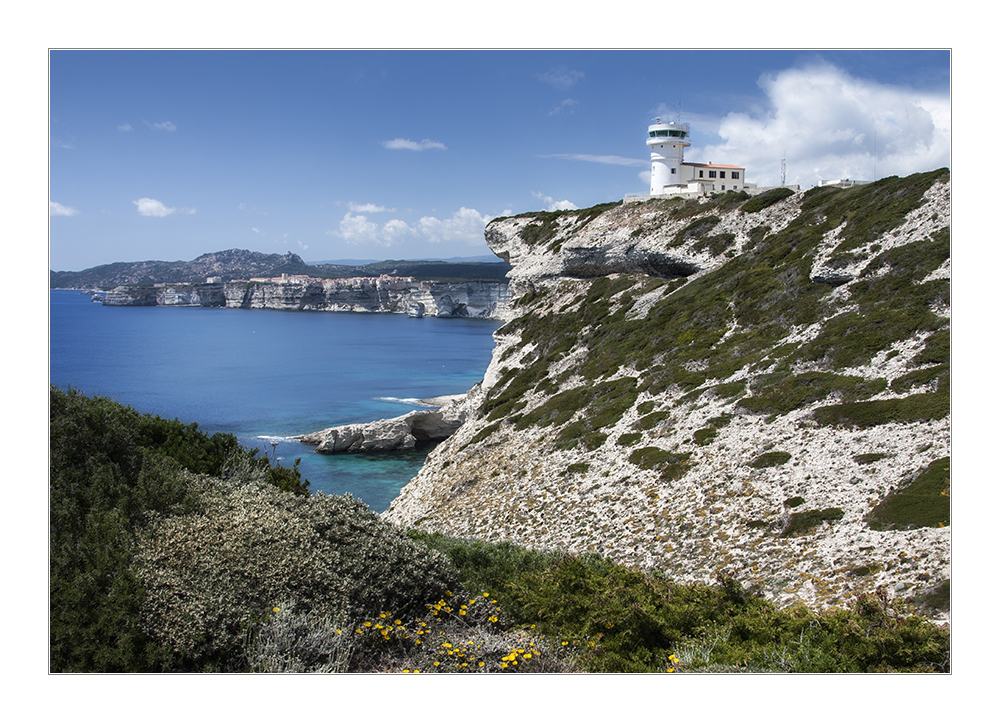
607, 160
554, 205
125, 127
561, 76
360, 231
57, 209
394, 231
406, 144
465, 226
152, 207
164, 126
368, 208
568, 104
828, 124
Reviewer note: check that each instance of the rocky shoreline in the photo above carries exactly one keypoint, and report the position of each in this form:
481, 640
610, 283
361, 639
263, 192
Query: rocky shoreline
399, 434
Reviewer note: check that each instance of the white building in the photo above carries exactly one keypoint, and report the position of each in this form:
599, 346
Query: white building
844, 183
670, 175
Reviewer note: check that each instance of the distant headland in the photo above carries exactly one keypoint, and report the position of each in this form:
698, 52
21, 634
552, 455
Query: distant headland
251, 280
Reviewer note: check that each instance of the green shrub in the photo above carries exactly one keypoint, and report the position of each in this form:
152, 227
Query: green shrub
780, 394
705, 435
770, 459
155, 568
765, 199
618, 619
869, 458
672, 465
801, 523
628, 439
914, 408
210, 577
924, 502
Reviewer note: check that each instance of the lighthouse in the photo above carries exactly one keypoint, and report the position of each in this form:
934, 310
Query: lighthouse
666, 142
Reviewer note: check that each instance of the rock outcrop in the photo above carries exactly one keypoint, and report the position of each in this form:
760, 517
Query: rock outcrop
391, 435
698, 386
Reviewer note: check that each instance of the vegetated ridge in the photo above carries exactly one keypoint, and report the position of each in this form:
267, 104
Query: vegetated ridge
750, 387
242, 264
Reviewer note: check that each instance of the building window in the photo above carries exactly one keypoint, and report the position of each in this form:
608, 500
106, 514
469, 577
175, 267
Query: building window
711, 174
722, 174
701, 174
736, 174
673, 171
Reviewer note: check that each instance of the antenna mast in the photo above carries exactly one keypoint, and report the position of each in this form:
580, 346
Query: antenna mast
782, 168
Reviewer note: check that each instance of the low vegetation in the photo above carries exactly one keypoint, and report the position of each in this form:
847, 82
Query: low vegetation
157, 567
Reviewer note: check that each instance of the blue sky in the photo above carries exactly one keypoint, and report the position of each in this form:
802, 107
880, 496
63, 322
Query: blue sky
408, 154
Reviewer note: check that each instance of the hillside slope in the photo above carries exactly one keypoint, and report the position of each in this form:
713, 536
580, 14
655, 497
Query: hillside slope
242, 264
759, 387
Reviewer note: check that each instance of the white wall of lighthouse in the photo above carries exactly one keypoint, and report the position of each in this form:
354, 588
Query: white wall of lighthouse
666, 143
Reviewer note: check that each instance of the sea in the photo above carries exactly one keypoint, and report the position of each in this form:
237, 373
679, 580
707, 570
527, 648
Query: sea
266, 376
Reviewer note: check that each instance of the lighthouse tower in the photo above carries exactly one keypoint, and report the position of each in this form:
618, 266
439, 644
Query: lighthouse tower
666, 142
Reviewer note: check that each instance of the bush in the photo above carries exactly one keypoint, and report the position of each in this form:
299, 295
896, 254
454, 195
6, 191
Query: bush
616, 619
210, 577
770, 459
155, 568
925, 502
768, 198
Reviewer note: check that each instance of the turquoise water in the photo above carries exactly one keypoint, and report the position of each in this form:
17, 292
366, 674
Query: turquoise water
267, 375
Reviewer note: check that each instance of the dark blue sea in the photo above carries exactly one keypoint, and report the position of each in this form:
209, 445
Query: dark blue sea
267, 375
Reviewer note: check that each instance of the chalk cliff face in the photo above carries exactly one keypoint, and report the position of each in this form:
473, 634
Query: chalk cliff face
753, 386
485, 300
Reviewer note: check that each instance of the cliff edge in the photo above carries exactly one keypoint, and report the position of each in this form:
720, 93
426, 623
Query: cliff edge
755, 386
